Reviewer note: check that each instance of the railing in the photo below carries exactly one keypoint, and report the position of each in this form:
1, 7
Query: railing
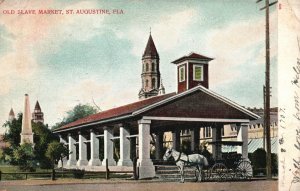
54, 174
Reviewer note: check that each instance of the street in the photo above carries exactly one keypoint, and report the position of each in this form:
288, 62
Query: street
123, 185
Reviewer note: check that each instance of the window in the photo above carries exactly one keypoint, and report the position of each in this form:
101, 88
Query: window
153, 83
222, 131
181, 73
198, 73
153, 67
146, 83
207, 131
147, 67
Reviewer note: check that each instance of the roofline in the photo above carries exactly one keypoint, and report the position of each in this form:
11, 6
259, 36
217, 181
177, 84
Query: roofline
184, 58
197, 88
195, 119
93, 123
176, 96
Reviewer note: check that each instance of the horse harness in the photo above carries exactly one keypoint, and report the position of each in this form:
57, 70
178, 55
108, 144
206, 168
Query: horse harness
179, 159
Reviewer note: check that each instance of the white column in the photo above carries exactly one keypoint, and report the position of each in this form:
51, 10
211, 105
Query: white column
146, 168
82, 161
64, 160
124, 148
94, 161
108, 147
242, 135
72, 151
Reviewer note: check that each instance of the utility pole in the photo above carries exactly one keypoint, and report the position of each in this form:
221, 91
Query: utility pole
267, 90
264, 127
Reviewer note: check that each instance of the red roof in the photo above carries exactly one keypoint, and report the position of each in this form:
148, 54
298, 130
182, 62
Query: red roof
118, 111
150, 49
192, 56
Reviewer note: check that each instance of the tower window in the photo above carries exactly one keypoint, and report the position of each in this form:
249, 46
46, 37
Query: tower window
153, 67
153, 83
198, 73
147, 67
147, 83
181, 73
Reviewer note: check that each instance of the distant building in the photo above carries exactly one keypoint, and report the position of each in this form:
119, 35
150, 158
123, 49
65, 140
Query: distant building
11, 115
37, 115
255, 132
3, 130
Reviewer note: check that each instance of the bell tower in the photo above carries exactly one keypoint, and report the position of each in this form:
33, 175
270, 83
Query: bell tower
150, 71
37, 115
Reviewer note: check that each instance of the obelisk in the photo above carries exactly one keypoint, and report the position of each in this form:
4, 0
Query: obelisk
26, 134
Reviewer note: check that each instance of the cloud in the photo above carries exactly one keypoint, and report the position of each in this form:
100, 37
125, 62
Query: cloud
33, 35
167, 32
90, 91
236, 44
15, 66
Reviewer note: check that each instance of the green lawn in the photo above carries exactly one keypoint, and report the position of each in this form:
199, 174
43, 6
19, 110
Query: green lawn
8, 168
11, 168
67, 174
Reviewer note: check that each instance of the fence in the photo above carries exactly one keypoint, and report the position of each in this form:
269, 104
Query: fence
68, 173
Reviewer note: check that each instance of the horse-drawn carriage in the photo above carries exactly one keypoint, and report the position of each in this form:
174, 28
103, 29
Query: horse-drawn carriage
229, 166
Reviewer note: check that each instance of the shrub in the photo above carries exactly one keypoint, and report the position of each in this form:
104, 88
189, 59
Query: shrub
24, 157
78, 173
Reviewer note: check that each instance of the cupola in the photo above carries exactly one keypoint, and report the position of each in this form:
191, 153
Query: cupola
192, 70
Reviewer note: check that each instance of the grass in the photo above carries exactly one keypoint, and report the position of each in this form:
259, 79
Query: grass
11, 169
67, 174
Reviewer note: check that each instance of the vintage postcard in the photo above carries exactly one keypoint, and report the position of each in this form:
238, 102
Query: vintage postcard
115, 95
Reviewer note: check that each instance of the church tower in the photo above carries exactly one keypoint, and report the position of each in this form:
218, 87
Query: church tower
11, 115
37, 115
150, 71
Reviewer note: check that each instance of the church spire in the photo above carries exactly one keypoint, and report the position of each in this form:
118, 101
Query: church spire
150, 50
11, 115
162, 90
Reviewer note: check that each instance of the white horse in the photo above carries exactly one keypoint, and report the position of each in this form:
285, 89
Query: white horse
181, 160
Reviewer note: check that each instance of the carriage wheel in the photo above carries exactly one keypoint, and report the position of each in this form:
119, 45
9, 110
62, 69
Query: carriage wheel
245, 170
219, 172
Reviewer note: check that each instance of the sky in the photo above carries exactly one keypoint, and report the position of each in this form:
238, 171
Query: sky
64, 60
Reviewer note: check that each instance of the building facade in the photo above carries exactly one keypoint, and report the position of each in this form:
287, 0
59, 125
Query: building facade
192, 108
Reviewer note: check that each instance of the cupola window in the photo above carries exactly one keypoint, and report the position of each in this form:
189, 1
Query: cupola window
181, 73
198, 73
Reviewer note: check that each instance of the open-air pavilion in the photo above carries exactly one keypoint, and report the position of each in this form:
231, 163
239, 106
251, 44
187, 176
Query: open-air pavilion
192, 109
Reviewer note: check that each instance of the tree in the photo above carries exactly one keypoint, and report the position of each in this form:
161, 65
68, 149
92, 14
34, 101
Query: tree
24, 157
42, 136
259, 158
78, 112
56, 152
13, 135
